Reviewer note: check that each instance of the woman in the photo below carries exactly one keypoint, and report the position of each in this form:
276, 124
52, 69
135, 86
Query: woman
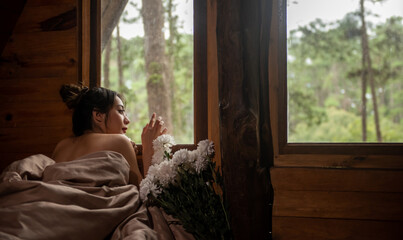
99, 124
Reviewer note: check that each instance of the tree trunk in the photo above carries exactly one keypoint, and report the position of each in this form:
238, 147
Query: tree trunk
363, 85
364, 101
107, 58
119, 51
156, 61
171, 61
368, 69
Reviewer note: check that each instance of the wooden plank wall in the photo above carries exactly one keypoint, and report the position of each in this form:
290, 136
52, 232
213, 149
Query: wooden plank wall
325, 203
40, 55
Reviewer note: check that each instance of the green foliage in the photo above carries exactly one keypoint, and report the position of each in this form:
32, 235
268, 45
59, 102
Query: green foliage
156, 73
343, 126
303, 109
324, 80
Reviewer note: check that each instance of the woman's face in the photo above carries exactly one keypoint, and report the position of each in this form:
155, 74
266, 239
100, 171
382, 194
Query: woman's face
117, 120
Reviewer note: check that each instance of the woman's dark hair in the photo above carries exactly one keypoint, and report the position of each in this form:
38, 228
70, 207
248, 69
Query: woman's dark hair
83, 101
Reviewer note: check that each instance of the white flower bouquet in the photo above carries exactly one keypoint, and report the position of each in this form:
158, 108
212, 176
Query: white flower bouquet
187, 186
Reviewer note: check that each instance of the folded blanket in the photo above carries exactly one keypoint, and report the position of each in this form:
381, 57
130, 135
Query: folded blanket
87, 198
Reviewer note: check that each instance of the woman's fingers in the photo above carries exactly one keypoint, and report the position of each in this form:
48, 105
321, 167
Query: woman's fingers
152, 120
155, 123
155, 127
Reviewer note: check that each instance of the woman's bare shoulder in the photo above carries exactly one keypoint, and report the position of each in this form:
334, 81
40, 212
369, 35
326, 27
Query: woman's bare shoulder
115, 138
62, 144
117, 142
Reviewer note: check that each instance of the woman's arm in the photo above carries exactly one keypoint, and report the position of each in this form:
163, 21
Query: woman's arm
123, 145
151, 131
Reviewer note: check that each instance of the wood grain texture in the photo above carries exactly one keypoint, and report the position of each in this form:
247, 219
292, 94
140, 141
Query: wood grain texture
339, 205
35, 114
85, 47
35, 15
200, 71
43, 47
212, 80
367, 198
32, 139
245, 151
337, 180
10, 12
286, 228
340, 161
47, 3
40, 55
63, 21
25, 90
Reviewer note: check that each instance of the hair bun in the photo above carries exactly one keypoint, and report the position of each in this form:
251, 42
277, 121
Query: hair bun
71, 94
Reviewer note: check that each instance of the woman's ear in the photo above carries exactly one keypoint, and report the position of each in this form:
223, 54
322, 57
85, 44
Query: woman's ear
98, 117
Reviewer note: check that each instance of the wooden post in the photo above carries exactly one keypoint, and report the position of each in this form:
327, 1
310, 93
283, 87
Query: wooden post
246, 144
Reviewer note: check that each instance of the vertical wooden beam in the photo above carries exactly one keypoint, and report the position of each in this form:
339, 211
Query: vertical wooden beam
246, 143
85, 43
95, 43
200, 71
212, 79
91, 43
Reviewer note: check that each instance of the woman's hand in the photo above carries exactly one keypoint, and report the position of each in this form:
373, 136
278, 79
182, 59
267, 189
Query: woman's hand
151, 131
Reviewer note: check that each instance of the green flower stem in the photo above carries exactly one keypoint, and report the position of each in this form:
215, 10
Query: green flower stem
221, 198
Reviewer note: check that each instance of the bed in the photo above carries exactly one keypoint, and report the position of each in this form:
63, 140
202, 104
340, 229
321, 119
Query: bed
87, 198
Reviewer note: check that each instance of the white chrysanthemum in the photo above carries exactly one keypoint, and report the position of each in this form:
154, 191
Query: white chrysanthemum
152, 171
148, 186
166, 173
205, 148
162, 145
158, 156
180, 157
188, 164
201, 163
164, 142
193, 155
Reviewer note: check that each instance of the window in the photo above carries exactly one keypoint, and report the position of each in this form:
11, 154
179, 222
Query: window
285, 73
332, 96
186, 54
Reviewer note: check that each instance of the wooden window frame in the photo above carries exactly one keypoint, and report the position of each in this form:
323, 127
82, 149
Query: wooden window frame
278, 99
199, 63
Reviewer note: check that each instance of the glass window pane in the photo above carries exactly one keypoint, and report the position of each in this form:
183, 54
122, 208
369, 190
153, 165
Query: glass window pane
345, 71
149, 58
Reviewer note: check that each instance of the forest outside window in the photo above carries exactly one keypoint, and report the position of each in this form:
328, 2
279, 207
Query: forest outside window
149, 57
340, 75
344, 71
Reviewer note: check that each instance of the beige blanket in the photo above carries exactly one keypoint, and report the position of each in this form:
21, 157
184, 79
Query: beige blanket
87, 198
